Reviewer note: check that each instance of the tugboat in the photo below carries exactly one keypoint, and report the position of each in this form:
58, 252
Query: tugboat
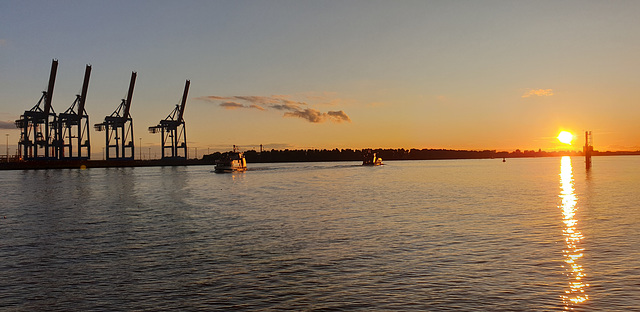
231, 162
370, 158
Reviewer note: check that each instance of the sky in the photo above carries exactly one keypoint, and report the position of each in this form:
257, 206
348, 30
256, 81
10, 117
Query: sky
477, 75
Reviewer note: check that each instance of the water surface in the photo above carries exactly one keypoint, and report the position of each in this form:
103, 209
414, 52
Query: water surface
540, 234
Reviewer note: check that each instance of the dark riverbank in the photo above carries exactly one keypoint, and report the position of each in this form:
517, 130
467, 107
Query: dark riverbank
315, 155
310, 155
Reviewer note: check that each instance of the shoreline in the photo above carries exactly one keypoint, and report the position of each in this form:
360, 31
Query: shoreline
209, 160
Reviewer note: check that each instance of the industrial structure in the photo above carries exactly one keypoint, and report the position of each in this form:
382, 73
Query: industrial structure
73, 126
174, 134
49, 140
118, 128
39, 138
588, 148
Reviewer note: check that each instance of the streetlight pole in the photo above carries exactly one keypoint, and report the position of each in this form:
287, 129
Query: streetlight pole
140, 148
7, 147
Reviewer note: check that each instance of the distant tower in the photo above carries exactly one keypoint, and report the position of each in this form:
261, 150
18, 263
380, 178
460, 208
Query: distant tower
119, 128
588, 148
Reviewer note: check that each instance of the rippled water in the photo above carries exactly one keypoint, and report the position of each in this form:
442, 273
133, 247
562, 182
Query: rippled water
458, 235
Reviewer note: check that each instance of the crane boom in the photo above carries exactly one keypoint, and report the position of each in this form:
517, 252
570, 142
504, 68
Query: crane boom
184, 99
129, 95
85, 87
52, 81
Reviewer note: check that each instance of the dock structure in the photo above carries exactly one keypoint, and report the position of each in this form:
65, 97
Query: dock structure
588, 148
173, 130
39, 137
118, 129
50, 140
73, 126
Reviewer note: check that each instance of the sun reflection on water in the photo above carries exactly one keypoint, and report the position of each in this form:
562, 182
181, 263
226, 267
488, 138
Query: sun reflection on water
572, 253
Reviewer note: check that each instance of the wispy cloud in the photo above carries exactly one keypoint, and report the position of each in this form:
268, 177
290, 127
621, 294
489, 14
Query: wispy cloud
235, 105
338, 116
538, 92
212, 98
291, 108
258, 107
286, 107
3, 42
257, 99
315, 116
7, 125
231, 105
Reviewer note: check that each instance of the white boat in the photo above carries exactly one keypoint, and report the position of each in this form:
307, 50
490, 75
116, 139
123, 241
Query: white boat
231, 162
370, 159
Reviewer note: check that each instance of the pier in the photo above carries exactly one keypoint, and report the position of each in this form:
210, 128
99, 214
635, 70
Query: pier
85, 163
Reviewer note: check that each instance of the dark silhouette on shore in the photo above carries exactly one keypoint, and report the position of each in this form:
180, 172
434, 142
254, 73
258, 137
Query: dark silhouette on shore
313, 155
309, 155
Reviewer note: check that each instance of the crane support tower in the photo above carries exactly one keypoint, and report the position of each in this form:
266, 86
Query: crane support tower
588, 148
174, 134
119, 129
39, 138
73, 126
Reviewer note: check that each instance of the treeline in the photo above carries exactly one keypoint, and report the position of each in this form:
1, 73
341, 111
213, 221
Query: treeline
311, 155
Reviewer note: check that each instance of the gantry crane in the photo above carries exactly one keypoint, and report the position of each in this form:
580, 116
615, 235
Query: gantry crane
119, 128
74, 124
174, 134
39, 138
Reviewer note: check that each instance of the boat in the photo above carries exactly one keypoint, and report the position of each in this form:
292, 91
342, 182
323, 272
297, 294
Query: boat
370, 159
231, 162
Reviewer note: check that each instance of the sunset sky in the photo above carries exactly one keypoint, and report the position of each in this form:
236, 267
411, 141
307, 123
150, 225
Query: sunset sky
499, 75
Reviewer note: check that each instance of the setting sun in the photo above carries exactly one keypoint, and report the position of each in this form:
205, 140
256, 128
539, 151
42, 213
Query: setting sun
565, 137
